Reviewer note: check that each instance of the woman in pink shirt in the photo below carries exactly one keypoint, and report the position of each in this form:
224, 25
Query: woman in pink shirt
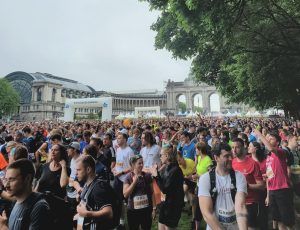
258, 154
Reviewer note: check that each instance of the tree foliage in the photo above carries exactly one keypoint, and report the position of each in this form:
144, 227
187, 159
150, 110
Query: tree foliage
9, 99
182, 106
250, 50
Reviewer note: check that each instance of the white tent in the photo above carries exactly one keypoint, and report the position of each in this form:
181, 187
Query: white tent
256, 114
162, 115
228, 114
121, 116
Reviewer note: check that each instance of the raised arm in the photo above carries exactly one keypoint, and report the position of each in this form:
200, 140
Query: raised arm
265, 141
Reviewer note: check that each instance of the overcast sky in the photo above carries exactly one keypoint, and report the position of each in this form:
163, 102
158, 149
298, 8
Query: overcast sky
106, 44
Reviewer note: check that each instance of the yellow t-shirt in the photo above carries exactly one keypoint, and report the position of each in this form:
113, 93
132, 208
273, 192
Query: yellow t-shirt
189, 169
203, 164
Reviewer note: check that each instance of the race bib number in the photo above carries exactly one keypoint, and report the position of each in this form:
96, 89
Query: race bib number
119, 164
140, 202
80, 220
269, 172
226, 217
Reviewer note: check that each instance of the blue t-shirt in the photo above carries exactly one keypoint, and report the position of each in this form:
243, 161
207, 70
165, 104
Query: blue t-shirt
82, 145
135, 144
188, 151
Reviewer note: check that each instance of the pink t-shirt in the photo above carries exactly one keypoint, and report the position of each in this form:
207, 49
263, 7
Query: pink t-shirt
250, 169
277, 170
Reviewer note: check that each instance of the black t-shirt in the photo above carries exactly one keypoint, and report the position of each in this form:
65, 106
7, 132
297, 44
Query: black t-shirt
99, 197
50, 181
108, 156
30, 215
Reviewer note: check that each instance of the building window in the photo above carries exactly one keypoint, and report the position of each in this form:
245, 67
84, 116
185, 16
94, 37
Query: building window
53, 94
39, 94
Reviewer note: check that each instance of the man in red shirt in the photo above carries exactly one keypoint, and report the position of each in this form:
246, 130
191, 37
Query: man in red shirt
250, 168
280, 195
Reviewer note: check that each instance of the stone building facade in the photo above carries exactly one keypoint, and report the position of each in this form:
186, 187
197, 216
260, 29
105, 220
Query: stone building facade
43, 96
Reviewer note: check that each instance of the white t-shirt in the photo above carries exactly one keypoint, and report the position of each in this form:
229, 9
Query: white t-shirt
72, 176
115, 145
122, 160
224, 207
150, 155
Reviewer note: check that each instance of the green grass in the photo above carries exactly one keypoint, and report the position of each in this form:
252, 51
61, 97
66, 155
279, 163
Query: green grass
184, 223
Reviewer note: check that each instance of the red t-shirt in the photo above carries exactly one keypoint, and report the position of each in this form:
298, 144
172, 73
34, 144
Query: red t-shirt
277, 170
3, 163
250, 169
262, 166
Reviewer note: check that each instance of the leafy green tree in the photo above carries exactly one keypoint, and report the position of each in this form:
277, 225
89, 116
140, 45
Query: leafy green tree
250, 50
198, 109
9, 99
182, 106
92, 116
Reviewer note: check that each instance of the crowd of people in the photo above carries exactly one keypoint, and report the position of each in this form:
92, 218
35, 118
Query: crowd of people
231, 173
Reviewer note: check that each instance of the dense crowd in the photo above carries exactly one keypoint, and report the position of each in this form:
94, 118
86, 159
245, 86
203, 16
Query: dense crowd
232, 173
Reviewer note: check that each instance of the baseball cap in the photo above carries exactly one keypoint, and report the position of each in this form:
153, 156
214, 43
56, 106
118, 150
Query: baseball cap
124, 131
74, 145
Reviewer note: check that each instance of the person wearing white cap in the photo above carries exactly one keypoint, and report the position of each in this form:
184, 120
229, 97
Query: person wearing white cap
73, 188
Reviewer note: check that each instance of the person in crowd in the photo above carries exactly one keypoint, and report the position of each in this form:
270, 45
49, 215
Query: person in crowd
224, 206
18, 184
188, 170
41, 155
101, 170
186, 146
86, 139
257, 153
18, 137
294, 148
138, 191
279, 196
123, 155
150, 151
203, 163
29, 141
245, 139
73, 188
169, 178
95, 208
213, 134
251, 170
134, 141
108, 150
54, 175
18, 152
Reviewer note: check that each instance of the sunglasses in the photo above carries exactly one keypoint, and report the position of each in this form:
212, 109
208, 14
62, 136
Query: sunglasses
136, 157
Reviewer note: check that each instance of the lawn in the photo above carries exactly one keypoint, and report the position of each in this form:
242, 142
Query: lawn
184, 223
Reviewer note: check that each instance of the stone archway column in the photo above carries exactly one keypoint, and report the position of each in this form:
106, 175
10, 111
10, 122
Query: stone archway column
222, 103
189, 103
206, 102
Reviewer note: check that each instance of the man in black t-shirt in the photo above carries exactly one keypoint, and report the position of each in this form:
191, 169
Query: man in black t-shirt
30, 211
95, 208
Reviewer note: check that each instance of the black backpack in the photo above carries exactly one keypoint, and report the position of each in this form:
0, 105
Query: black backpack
116, 201
213, 190
60, 217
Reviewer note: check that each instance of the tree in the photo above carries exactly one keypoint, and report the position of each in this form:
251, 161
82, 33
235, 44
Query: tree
182, 106
250, 50
198, 109
9, 99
